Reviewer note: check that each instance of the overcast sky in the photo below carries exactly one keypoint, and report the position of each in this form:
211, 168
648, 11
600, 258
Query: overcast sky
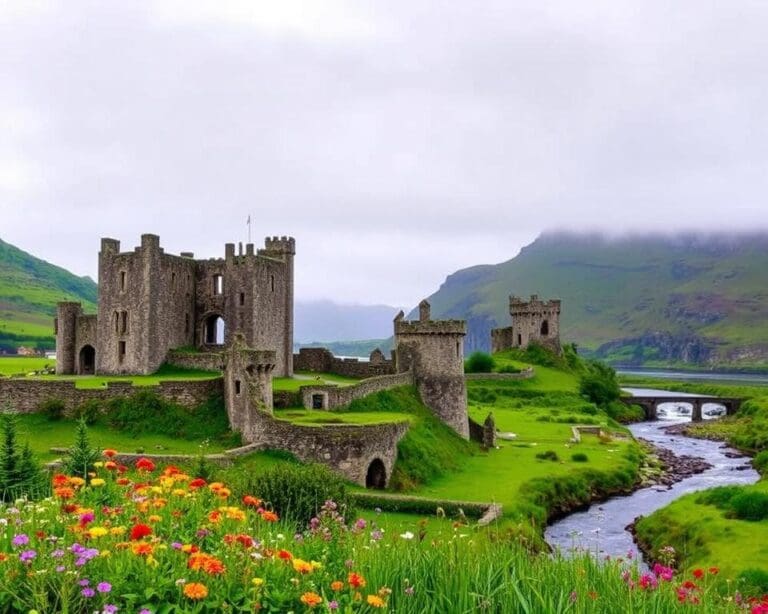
397, 141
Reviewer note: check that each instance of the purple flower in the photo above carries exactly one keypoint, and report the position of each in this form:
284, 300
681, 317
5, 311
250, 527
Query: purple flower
86, 518
145, 611
176, 546
20, 540
360, 524
57, 554
103, 587
202, 533
84, 582
87, 592
60, 568
376, 534
109, 609
27, 556
333, 605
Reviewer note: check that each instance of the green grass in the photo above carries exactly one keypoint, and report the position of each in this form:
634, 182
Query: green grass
44, 434
166, 373
310, 417
17, 365
293, 384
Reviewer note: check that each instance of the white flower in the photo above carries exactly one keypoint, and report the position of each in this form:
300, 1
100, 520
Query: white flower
407, 535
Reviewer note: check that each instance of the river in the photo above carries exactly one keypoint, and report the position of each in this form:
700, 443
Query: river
600, 529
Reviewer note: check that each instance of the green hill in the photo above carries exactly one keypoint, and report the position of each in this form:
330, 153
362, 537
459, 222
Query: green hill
29, 291
699, 299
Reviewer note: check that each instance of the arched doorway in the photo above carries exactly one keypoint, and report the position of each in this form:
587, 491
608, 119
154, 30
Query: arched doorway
377, 475
213, 330
545, 328
87, 360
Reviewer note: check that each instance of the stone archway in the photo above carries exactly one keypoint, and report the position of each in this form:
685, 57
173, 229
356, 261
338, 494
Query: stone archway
376, 477
214, 330
87, 360
545, 328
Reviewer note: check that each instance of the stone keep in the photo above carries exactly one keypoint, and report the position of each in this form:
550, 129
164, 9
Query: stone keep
434, 351
532, 321
151, 302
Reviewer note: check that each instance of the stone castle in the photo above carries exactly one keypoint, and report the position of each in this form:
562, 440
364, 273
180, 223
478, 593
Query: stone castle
235, 315
533, 321
151, 302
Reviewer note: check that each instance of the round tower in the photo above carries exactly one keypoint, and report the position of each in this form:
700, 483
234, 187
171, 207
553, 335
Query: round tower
66, 337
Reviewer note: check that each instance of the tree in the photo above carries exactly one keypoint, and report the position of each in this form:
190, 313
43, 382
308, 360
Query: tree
479, 362
599, 384
20, 474
81, 456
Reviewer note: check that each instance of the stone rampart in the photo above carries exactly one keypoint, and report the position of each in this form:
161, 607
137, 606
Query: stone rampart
204, 361
349, 449
338, 396
321, 360
524, 374
26, 395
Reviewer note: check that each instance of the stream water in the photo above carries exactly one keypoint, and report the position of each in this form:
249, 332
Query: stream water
600, 529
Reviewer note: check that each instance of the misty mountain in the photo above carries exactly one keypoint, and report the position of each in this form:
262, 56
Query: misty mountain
639, 299
330, 321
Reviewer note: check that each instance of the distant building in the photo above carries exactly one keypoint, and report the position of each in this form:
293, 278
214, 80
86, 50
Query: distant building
533, 321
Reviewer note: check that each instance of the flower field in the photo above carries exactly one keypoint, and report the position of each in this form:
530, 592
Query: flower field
151, 539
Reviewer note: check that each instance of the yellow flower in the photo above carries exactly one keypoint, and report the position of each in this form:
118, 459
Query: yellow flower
179, 492
152, 561
257, 581
98, 464
76, 481
311, 599
155, 518
97, 482
156, 489
316, 565
98, 531
117, 531
105, 553
375, 601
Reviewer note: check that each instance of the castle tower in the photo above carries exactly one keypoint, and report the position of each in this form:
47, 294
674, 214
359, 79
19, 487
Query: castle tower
533, 321
434, 350
66, 337
247, 386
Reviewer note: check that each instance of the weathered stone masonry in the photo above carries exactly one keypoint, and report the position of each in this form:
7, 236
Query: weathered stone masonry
321, 360
532, 321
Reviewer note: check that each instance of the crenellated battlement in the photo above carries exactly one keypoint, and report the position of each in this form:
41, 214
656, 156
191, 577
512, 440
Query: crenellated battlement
281, 245
533, 320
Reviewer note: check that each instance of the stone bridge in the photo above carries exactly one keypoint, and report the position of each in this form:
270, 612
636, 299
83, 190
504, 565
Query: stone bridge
650, 404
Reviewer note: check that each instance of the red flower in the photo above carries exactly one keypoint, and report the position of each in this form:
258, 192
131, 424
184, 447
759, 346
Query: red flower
714, 571
698, 573
251, 501
109, 453
355, 580
60, 480
144, 464
197, 483
140, 530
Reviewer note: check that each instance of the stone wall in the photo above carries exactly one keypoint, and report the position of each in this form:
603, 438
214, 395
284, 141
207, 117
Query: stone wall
348, 449
321, 360
25, 395
524, 374
283, 399
205, 361
533, 321
339, 396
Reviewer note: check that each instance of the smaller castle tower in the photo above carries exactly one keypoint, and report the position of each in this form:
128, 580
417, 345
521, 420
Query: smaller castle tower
533, 321
247, 385
434, 351
66, 336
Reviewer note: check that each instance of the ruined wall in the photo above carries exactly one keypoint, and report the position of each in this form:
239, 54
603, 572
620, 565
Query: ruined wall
348, 449
321, 360
25, 395
65, 327
339, 396
203, 361
247, 385
433, 350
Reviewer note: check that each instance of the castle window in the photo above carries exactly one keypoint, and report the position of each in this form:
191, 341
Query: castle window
218, 284
122, 280
242, 299
519, 339
214, 330
117, 321
272, 282
123, 322
458, 349
545, 328
186, 322
237, 387
121, 351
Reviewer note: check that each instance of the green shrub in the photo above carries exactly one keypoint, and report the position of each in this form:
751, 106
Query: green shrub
419, 505
81, 457
720, 497
297, 492
624, 413
760, 462
599, 384
20, 475
750, 505
579, 457
53, 409
549, 455
479, 362
753, 581
90, 411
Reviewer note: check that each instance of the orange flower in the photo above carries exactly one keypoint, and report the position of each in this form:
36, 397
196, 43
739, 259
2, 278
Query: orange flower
110, 465
251, 501
109, 453
337, 585
60, 480
195, 590
285, 555
207, 563
375, 601
311, 599
214, 517
356, 580
302, 566
64, 492
122, 481
144, 464
269, 516
142, 549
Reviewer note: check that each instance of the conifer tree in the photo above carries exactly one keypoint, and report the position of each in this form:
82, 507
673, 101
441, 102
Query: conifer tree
9, 457
81, 456
31, 479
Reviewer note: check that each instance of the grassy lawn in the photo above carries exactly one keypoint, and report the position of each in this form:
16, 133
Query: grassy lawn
14, 365
300, 378
319, 418
44, 434
166, 373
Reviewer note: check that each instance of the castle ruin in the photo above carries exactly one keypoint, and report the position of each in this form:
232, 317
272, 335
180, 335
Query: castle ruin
533, 321
151, 302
